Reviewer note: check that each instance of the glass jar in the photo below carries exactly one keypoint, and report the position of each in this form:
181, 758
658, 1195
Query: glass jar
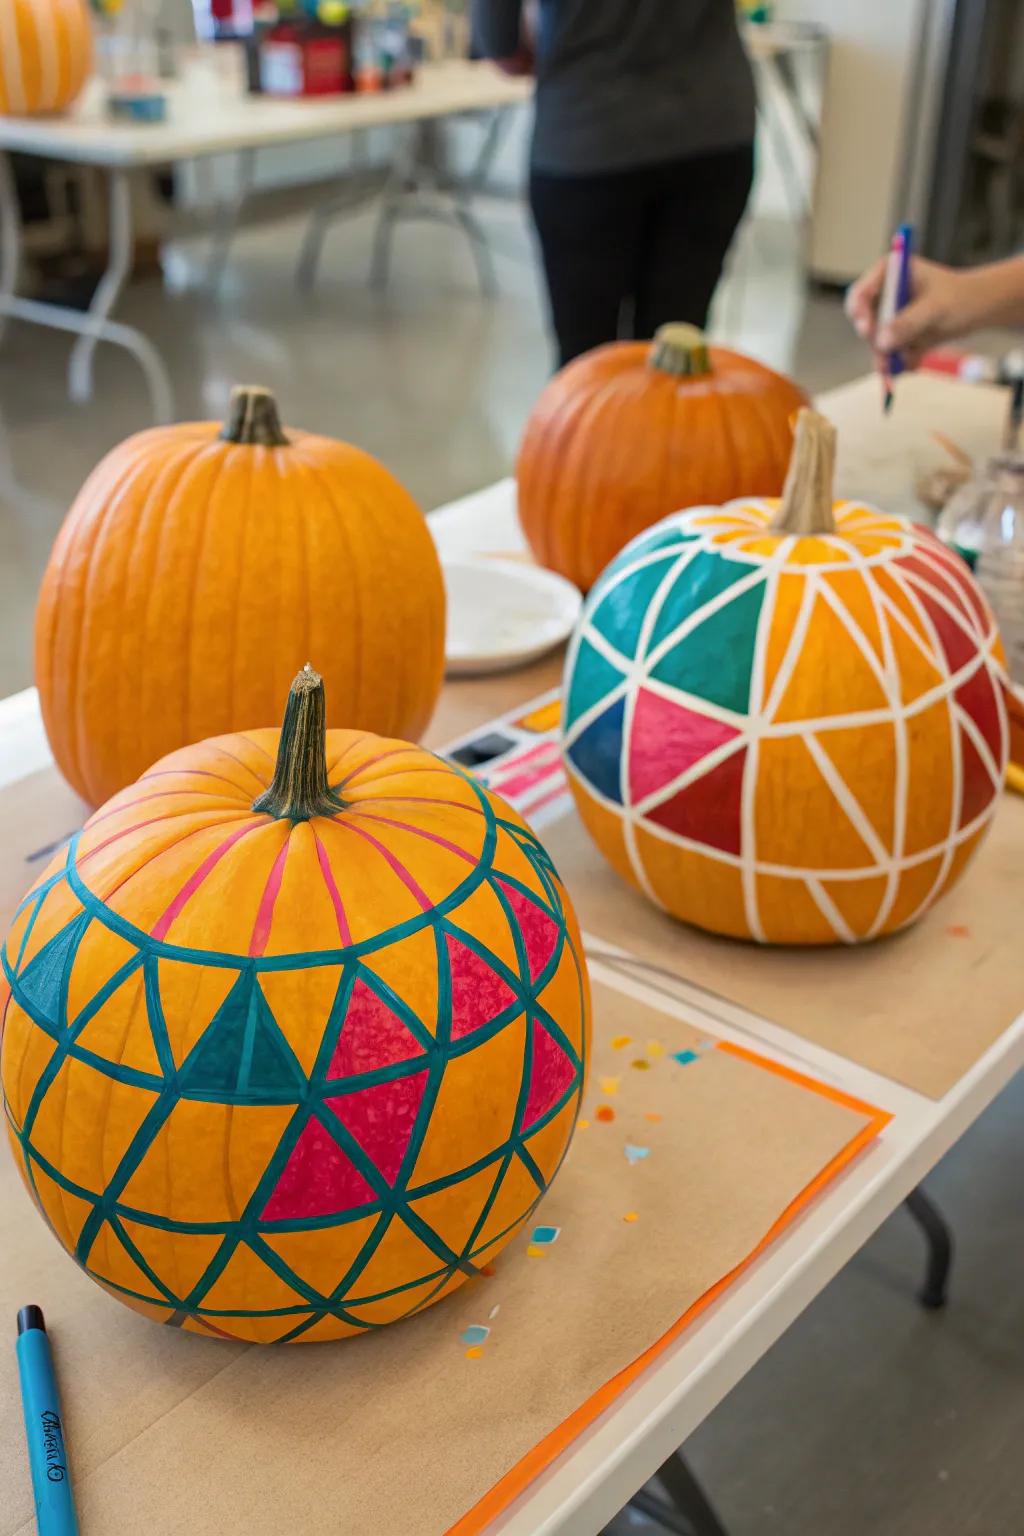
959, 522
1000, 560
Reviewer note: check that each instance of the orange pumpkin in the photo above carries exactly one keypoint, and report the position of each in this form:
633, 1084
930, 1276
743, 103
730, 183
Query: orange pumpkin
45, 54
291, 1051
197, 569
633, 431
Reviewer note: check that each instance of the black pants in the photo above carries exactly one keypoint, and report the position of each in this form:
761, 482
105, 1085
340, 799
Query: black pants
655, 236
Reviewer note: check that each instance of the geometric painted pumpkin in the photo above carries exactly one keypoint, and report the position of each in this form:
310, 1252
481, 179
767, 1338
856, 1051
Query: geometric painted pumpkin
291, 1052
627, 433
189, 549
45, 54
785, 721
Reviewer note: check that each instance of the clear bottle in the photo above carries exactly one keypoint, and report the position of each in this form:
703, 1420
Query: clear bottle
1000, 562
959, 522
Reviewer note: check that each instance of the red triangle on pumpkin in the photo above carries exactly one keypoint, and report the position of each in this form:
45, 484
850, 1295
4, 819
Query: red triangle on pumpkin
478, 992
665, 739
319, 1179
708, 810
372, 1036
382, 1119
551, 1074
977, 790
539, 929
977, 698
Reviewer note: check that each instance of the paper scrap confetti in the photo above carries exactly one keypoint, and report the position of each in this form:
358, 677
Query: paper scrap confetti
609, 1086
636, 1154
604, 1112
583, 1125
958, 931
641, 1065
494, 1310
630, 1216
476, 1353
655, 1049
619, 1042
652, 1115
476, 1333
535, 1251
545, 1235
684, 1057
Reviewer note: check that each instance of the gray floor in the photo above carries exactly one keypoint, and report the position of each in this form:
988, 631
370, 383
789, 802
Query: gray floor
870, 1415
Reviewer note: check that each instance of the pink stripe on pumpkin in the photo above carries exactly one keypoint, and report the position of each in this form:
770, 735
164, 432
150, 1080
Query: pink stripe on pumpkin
265, 915
393, 863
195, 880
432, 837
344, 931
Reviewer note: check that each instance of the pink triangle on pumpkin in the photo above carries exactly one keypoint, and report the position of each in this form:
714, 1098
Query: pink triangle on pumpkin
551, 1074
976, 788
478, 992
382, 1119
538, 928
372, 1036
319, 1179
666, 739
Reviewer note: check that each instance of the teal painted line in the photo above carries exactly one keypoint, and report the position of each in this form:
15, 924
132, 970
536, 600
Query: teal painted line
156, 1020
413, 1023
532, 1169
39, 899
136, 1150
140, 1260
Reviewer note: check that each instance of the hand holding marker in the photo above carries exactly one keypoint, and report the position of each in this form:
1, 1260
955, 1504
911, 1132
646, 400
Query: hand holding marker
895, 294
51, 1483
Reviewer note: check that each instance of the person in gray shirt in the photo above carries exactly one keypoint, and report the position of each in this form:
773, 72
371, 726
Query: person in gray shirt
642, 154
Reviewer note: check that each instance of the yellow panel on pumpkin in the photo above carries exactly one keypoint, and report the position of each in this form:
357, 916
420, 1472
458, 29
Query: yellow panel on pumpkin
323, 1257
59, 907
301, 1002
798, 820
917, 884
399, 1256
516, 1196
788, 912
101, 953
564, 995
179, 1258
206, 1160
547, 1146
119, 1031
698, 882
930, 815
190, 995
64, 1131
27, 1052
453, 1212
247, 1283
475, 1106
109, 1260
67, 1213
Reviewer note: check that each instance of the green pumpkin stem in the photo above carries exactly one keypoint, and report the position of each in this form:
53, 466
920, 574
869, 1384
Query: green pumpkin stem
806, 505
300, 789
681, 350
253, 419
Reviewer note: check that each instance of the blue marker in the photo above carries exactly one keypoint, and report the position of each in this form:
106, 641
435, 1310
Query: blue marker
51, 1484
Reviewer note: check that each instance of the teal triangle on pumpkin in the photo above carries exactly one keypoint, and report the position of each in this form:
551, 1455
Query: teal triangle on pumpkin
592, 678
715, 661
242, 1052
40, 988
704, 578
668, 535
620, 611
597, 752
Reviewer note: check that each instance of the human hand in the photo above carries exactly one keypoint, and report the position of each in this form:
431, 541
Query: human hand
942, 305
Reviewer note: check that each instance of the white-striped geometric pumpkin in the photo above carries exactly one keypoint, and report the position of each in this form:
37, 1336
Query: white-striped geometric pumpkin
45, 55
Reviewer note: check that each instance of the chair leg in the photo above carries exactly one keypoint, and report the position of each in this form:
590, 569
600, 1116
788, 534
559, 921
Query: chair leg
939, 1239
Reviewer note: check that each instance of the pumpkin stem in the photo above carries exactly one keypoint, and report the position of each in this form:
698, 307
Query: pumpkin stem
806, 505
681, 350
253, 419
300, 789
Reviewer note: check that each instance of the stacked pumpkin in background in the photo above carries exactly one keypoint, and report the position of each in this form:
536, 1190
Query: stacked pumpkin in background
45, 55
199, 568
633, 431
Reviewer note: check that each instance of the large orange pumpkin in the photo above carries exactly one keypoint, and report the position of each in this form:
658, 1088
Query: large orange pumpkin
45, 54
787, 723
197, 569
290, 1053
632, 431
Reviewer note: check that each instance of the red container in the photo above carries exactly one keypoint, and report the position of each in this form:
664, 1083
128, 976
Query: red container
303, 61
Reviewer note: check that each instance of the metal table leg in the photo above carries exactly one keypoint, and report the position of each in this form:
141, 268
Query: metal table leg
357, 189
94, 324
226, 218
939, 1239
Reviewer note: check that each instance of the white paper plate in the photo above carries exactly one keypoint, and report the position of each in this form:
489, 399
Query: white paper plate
502, 614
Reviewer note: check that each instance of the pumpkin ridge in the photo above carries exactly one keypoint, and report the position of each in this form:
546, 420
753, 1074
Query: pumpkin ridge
188, 628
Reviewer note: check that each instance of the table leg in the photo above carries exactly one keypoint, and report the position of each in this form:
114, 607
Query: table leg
356, 190
939, 1239
10, 236
108, 290
226, 219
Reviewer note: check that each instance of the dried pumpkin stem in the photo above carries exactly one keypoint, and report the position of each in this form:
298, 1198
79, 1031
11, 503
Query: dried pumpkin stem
806, 505
253, 419
680, 350
300, 789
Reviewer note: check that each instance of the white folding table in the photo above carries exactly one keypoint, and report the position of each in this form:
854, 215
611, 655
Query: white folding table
611, 1460
208, 114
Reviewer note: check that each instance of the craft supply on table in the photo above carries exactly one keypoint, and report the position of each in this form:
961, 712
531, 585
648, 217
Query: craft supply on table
503, 614
999, 564
44, 1428
895, 295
